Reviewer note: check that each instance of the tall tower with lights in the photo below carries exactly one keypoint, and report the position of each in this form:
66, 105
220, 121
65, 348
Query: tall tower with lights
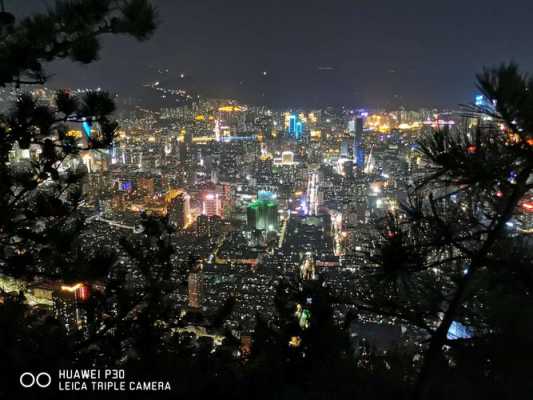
358, 147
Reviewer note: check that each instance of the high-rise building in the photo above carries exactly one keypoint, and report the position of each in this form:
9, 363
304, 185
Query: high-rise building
358, 148
351, 126
179, 210
185, 145
212, 204
67, 306
292, 124
262, 214
195, 287
295, 127
299, 129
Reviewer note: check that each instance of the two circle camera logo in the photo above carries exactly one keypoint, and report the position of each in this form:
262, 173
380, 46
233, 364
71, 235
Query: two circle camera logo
28, 380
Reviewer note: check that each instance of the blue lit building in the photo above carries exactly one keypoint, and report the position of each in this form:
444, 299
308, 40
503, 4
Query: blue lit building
358, 148
296, 127
458, 331
292, 124
299, 130
483, 103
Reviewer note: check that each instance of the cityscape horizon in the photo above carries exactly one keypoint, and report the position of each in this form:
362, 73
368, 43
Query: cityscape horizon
264, 200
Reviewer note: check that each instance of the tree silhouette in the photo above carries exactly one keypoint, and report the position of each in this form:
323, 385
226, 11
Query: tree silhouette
40, 193
72, 30
439, 257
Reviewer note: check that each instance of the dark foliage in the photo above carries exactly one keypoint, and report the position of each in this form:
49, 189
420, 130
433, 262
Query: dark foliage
39, 195
449, 253
70, 30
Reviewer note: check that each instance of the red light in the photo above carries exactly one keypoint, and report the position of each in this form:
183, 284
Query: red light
83, 293
499, 193
528, 206
471, 149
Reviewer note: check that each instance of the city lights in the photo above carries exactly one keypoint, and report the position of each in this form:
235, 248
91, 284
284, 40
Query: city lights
266, 200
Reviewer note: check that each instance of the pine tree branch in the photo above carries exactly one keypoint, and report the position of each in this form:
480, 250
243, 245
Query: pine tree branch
478, 260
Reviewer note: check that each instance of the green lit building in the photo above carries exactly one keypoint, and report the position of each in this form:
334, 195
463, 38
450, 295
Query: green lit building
262, 214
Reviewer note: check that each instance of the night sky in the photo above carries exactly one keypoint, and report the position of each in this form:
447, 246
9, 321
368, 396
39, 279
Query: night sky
316, 53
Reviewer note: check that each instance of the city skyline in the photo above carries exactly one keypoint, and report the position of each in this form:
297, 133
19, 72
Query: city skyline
266, 200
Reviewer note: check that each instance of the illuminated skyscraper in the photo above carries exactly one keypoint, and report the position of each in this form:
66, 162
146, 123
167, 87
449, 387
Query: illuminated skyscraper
179, 210
351, 126
185, 146
262, 214
67, 307
299, 130
195, 285
358, 148
212, 204
295, 127
292, 124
